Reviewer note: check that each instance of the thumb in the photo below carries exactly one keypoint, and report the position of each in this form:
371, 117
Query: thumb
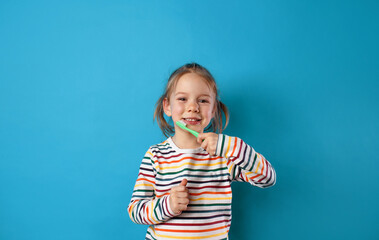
183, 183
200, 138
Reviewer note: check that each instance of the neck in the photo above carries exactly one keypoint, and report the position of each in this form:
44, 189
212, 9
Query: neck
185, 140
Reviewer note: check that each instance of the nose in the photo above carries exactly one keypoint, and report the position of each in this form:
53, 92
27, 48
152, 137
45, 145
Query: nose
193, 106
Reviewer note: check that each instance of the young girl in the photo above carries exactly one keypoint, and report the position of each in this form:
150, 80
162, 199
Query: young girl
183, 188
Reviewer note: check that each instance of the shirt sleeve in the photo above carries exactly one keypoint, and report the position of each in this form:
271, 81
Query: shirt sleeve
145, 207
244, 164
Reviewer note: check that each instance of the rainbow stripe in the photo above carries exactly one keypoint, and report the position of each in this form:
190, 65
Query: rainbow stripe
209, 178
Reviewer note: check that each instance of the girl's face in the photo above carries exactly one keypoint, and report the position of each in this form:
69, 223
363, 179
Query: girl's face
192, 101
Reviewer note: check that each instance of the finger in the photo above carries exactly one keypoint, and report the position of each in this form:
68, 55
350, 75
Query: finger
182, 207
211, 150
201, 137
184, 201
184, 182
179, 189
177, 210
181, 194
204, 144
207, 146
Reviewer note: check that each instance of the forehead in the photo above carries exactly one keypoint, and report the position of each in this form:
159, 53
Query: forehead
193, 83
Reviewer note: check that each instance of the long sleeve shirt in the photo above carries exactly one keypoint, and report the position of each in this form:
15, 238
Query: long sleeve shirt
208, 215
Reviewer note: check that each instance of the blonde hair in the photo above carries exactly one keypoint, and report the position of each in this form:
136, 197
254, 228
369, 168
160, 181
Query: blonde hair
216, 123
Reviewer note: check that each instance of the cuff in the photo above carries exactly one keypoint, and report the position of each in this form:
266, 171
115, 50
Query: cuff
168, 207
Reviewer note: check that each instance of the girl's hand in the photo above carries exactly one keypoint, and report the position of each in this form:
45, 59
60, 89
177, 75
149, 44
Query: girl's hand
208, 141
179, 197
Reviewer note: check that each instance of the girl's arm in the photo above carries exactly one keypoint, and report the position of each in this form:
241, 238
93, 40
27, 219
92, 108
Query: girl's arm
244, 163
145, 207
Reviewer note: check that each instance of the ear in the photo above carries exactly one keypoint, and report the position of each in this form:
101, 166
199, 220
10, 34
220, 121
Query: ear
167, 107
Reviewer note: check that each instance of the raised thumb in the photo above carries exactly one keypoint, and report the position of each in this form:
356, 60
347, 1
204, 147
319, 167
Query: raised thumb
183, 183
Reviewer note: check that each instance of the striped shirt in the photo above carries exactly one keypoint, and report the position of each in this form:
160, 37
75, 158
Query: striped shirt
208, 215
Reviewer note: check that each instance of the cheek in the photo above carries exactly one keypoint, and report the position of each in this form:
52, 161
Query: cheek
209, 112
177, 109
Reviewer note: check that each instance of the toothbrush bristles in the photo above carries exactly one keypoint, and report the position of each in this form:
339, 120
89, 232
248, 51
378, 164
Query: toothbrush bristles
181, 121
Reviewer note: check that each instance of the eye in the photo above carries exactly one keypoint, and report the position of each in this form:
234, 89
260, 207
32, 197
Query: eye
203, 101
181, 99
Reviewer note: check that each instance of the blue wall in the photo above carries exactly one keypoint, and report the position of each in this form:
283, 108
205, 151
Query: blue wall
78, 84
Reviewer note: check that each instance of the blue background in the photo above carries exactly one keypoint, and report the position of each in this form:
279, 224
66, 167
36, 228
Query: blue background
78, 84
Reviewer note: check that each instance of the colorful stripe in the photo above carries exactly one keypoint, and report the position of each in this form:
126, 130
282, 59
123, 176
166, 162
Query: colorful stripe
208, 216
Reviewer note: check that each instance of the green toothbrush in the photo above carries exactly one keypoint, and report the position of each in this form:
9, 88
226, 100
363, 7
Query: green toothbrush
182, 125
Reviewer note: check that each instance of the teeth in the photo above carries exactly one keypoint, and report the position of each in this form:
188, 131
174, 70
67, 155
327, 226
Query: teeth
191, 119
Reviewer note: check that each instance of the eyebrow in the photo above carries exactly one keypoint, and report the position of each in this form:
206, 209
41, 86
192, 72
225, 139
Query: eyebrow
201, 95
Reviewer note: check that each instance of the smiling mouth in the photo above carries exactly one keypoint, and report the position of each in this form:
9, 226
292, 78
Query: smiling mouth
192, 121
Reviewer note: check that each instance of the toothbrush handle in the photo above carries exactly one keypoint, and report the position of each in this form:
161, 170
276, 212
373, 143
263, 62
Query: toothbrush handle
196, 134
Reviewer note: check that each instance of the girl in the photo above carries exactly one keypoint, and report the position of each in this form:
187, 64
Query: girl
183, 188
